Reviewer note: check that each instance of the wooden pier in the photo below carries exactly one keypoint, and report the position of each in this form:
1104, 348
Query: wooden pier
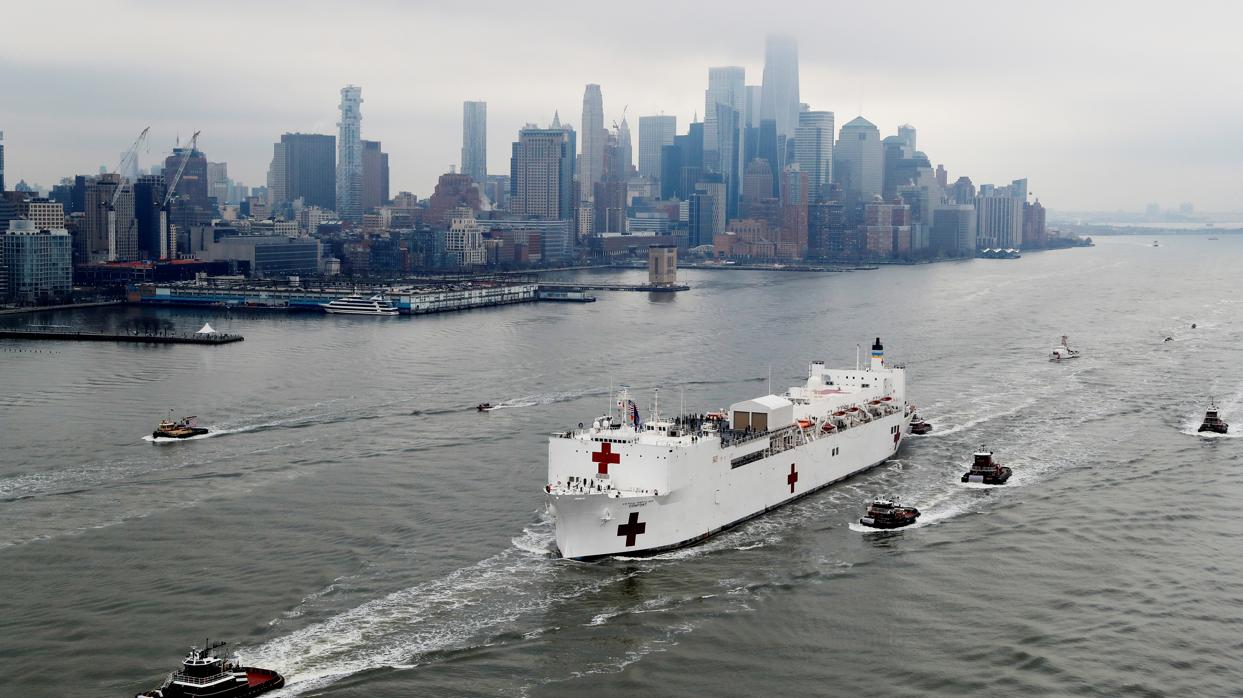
81, 336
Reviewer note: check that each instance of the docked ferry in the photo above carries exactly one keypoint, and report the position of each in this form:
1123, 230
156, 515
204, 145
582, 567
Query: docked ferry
627, 486
357, 305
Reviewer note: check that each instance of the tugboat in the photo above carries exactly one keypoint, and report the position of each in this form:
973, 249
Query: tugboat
204, 674
182, 428
985, 470
1213, 423
1063, 352
885, 513
919, 425
484, 407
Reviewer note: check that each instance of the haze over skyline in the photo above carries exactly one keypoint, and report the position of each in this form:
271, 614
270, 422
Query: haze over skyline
1100, 109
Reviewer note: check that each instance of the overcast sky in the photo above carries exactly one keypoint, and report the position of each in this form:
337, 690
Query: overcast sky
1101, 105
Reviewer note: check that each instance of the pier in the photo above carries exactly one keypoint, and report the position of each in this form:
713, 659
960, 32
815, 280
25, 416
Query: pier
81, 336
571, 286
420, 300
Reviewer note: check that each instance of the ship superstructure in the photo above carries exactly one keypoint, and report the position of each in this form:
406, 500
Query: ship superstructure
626, 485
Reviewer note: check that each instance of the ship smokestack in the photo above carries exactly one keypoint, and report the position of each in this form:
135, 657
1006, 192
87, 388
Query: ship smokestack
878, 355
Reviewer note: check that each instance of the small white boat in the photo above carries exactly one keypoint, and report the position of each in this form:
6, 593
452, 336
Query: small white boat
357, 305
1063, 352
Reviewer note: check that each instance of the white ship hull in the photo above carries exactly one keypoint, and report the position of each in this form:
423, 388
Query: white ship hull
588, 524
625, 487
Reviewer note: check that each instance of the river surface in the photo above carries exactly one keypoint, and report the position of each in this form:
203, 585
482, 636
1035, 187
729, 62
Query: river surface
354, 523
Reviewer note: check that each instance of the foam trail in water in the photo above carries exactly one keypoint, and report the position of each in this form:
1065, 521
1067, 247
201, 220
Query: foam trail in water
445, 613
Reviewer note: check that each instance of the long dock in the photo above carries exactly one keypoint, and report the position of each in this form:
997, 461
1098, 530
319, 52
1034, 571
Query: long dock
567, 286
79, 336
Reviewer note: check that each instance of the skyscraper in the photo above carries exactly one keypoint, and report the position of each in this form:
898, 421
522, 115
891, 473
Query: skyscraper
625, 149
475, 141
591, 162
350, 155
726, 85
655, 132
218, 182
304, 167
751, 114
767, 149
149, 193
106, 242
779, 98
375, 176
1, 160
999, 216
859, 161
814, 148
907, 133
542, 173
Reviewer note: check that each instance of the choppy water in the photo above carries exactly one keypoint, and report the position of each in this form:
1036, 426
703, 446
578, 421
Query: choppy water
354, 523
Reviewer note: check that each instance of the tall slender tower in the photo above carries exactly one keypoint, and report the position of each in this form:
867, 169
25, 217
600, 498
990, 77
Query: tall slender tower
591, 160
779, 97
350, 155
475, 142
625, 147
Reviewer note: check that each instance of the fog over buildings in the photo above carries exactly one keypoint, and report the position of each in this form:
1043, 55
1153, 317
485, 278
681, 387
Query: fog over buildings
1101, 107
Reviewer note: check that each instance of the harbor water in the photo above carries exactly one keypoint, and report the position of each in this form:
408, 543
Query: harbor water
354, 523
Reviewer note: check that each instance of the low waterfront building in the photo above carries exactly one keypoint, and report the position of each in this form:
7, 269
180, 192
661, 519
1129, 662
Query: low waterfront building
266, 255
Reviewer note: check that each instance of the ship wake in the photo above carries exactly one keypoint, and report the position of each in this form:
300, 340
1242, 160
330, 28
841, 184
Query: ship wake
454, 612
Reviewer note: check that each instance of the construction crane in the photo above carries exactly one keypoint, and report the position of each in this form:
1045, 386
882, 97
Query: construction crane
167, 248
127, 159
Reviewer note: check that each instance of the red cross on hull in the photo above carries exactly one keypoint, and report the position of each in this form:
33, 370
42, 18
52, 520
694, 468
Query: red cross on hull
792, 478
604, 458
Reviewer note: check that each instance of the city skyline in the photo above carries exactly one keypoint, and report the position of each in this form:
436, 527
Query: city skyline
1091, 131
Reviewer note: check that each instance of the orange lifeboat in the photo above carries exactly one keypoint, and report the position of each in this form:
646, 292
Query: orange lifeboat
804, 424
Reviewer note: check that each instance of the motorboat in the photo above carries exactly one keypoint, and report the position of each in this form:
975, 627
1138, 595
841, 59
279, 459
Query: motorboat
984, 470
886, 513
205, 674
182, 428
919, 425
1063, 352
1213, 423
485, 407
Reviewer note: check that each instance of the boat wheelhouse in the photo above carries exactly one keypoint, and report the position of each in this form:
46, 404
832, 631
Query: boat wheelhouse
985, 470
1213, 423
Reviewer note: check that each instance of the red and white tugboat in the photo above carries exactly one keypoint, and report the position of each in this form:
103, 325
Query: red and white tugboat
885, 513
920, 426
985, 470
203, 674
1213, 423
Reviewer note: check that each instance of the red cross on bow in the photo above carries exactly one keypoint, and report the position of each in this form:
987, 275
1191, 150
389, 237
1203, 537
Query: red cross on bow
604, 458
792, 478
